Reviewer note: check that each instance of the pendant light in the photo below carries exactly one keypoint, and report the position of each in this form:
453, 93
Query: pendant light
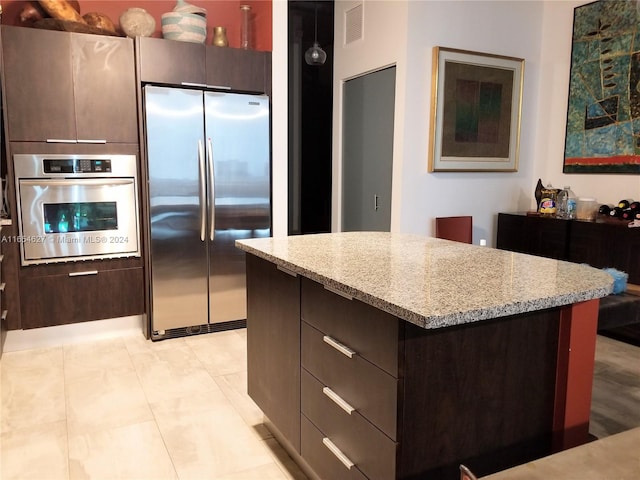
315, 55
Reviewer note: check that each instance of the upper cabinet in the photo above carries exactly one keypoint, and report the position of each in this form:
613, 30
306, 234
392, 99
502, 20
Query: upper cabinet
69, 87
183, 63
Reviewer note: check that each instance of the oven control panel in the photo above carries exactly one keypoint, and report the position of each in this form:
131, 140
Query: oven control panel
76, 165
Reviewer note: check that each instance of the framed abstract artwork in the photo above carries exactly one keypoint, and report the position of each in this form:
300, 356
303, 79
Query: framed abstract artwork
476, 103
603, 114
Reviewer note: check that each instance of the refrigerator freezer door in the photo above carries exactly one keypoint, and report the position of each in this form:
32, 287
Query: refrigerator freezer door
175, 150
238, 126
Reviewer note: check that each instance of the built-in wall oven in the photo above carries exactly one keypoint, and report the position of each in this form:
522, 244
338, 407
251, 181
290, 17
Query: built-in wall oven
76, 207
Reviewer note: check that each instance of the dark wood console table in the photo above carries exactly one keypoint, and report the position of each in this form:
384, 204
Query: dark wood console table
604, 243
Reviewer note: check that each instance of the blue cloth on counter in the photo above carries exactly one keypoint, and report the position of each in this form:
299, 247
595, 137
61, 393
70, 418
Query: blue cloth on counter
619, 280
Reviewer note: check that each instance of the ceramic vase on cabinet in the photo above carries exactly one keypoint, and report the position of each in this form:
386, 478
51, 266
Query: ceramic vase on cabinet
220, 37
137, 22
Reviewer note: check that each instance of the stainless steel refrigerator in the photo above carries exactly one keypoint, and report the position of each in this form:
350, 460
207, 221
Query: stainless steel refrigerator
208, 157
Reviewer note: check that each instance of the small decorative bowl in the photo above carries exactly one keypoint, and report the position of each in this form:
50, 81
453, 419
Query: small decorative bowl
184, 27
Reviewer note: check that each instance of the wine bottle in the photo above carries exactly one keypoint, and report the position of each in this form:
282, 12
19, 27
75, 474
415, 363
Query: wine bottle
604, 210
616, 212
623, 204
635, 206
628, 214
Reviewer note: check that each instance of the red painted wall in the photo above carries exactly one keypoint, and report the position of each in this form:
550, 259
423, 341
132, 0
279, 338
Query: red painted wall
224, 13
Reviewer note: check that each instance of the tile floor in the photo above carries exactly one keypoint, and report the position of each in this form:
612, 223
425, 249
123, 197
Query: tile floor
132, 409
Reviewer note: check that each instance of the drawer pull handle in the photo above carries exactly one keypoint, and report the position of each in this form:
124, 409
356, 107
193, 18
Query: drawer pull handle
338, 292
61, 140
220, 87
338, 400
336, 451
1, 258
92, 140
80, 274
343, 349
287, 271
4, 315
2, 286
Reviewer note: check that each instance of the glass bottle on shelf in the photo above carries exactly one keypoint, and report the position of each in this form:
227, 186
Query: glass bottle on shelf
245, 40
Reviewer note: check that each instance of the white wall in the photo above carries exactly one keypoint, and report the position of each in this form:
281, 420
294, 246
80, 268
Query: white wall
504, 28
553, 98
279, 118
403, 33
383, 45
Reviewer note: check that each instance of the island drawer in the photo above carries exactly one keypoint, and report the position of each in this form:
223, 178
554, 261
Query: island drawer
316, 452
371, 450
374, 334
370, 390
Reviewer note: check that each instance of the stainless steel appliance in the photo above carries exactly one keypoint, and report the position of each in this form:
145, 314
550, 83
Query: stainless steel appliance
76, 207
208, 156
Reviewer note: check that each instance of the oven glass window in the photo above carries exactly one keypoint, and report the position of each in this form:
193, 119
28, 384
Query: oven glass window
80, 217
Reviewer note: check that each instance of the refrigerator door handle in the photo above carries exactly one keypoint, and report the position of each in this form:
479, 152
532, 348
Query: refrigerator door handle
212, 189
203, 191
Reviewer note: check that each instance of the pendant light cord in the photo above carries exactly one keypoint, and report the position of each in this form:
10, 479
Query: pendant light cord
315, 34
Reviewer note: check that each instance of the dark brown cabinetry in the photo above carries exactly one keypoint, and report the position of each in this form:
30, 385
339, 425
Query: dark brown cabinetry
78, 292
183, 63
380, 398
273, 345
603, 243
69, 87
9, 268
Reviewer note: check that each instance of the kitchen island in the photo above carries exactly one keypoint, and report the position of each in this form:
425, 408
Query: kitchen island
381, 356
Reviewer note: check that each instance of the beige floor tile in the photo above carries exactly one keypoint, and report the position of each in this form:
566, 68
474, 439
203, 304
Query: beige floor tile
139, 344
85, 359
36, 453
108, 399
234, 387
173, 372
285, 463
206, 438
32, 386
133, 452
270, 471
221, 353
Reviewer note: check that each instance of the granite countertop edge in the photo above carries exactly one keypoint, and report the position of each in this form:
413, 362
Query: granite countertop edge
439, 321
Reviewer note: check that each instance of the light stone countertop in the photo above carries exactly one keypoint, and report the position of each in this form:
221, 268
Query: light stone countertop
430, 282
614, 457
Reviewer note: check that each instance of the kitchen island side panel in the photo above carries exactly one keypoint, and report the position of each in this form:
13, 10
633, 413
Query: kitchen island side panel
481, 394
273, 345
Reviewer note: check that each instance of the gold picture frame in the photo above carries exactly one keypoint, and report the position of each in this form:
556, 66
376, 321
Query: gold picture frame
476, 106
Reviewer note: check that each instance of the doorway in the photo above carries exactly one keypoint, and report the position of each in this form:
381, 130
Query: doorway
367, 159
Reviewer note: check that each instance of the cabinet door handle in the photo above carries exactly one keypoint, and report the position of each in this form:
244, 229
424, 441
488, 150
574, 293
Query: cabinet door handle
1, 258
2, 286
338, 292
336, 451
61, 140
287, 271
86, 272
338, 400
192, 84
4, 315
219, 87
343, 349
89, 140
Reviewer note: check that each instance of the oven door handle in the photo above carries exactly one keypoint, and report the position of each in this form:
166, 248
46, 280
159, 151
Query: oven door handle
212, 189
70, 182
203, 192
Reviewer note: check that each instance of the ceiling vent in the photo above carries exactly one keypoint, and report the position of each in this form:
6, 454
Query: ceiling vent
353, 24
